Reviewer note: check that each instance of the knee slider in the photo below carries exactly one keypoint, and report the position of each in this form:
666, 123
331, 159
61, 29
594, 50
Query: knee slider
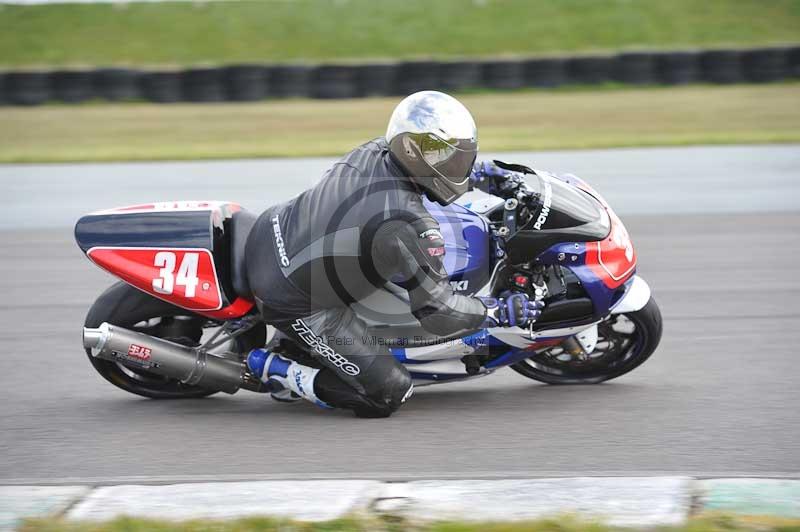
398, 387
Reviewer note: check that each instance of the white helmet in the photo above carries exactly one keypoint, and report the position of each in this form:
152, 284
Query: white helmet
433, 138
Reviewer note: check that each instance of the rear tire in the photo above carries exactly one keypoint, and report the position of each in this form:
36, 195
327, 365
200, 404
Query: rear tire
626, 352
125, 306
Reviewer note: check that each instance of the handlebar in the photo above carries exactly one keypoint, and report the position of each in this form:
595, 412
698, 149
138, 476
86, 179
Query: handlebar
519, 194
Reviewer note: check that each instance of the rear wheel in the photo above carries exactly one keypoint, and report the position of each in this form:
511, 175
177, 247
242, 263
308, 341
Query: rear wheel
127, 307
624, 342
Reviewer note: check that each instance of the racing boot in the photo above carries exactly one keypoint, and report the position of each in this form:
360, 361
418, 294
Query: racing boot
286, 380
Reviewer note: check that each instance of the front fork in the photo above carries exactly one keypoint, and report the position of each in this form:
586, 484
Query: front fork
582, 344
579, 345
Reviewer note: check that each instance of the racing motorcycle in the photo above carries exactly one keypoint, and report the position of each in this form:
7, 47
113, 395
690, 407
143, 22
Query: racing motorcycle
182, 321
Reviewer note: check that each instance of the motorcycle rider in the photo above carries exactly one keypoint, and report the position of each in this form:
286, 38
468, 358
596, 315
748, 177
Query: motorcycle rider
362, 225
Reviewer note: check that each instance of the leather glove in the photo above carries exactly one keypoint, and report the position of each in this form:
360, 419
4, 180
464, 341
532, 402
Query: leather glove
484, 170
513, 310
492, 179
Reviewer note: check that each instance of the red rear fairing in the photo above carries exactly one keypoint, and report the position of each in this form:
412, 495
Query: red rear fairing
176, 251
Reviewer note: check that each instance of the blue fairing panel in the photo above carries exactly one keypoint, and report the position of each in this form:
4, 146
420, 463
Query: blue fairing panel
467, 250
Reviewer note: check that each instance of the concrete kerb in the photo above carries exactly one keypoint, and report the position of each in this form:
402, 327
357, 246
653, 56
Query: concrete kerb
17, 502
617, 501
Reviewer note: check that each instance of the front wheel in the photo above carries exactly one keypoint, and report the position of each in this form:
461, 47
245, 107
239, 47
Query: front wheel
624, 342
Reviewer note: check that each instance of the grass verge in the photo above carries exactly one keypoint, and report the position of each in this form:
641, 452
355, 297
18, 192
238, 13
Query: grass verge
507, 121
714, 523
198, 32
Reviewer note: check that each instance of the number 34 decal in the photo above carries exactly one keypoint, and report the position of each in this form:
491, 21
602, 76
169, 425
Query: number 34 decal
186, 276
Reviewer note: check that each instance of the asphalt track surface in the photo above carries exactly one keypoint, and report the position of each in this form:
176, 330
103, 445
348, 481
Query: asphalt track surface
719, 397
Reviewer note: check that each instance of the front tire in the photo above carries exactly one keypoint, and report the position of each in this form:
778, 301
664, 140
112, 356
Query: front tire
125, 306
619, 350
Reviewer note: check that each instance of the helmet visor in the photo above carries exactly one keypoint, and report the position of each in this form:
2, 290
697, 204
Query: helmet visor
450, 159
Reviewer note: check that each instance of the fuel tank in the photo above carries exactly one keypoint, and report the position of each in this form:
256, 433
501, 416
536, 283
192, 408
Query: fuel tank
468, 260
467, 246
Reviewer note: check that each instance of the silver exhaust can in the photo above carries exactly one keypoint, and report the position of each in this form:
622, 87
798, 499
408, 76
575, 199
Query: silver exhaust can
189, 365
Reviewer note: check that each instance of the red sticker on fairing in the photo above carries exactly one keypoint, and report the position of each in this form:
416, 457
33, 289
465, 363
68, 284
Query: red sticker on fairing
436, 252
613, 259
184, 277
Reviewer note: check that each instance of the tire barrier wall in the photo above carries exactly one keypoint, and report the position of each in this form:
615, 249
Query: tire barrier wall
117, 84
162, 87
253, 82
203, 85
245, 83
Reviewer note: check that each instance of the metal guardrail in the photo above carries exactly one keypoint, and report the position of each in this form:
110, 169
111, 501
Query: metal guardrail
253, 82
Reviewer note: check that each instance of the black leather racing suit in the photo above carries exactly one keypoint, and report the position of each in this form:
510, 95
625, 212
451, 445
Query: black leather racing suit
308, 259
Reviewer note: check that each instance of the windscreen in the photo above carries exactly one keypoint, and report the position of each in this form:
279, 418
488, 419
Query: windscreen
564, 206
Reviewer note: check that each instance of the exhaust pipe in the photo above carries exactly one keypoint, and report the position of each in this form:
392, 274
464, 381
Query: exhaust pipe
186, 364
